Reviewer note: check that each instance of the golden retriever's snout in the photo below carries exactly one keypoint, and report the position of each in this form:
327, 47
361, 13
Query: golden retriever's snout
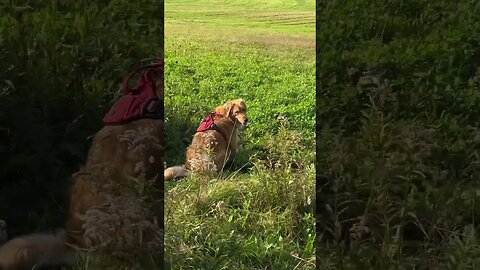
243, 119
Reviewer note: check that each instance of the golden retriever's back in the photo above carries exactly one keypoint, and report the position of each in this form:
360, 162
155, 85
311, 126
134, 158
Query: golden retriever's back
123, 146
119, 155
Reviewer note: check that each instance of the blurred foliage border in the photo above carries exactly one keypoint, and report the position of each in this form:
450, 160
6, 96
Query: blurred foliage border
61, 63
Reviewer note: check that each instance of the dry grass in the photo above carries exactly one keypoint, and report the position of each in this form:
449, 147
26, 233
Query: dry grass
242, 36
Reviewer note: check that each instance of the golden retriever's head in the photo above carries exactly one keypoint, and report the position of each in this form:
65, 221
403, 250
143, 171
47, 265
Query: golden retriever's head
236, 110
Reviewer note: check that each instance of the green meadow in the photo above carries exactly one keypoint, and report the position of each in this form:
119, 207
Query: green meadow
258, 213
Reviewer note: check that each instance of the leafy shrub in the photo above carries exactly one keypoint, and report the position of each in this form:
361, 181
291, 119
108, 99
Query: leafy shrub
397, 133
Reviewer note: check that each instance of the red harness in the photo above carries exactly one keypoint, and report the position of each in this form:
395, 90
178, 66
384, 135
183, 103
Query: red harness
140, 102
209, 124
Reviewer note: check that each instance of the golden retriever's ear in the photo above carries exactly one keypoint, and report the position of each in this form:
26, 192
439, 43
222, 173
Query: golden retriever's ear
225, 109
243, 104
240, 102
229, 107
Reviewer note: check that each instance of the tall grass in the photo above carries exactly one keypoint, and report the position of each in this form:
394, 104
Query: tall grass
262, 218
397, 139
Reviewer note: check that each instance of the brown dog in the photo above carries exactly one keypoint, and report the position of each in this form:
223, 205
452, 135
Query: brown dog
121, 156
215, 142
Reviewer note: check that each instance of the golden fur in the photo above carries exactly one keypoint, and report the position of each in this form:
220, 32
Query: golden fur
35, 249
209, 150
110, 151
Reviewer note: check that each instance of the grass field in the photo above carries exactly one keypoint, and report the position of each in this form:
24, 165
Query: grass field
274, 23
258, 214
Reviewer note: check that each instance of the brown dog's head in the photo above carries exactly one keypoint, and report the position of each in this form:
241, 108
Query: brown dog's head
236, 110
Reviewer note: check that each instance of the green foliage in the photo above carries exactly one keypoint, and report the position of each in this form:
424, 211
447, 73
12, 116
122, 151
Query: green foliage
397, 136
61, 63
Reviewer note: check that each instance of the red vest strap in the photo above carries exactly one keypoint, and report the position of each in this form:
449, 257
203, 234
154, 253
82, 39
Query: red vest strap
140, 102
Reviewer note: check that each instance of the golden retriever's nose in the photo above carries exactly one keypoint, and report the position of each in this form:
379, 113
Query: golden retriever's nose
246, 120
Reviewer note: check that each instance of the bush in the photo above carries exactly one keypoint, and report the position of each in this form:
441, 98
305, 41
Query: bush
397, 138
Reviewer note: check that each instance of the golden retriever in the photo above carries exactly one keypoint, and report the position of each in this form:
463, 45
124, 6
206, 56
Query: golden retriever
121, 156
215, 142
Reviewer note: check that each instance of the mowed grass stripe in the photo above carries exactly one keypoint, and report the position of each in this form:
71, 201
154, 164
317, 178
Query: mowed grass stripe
282, 5
246, 19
